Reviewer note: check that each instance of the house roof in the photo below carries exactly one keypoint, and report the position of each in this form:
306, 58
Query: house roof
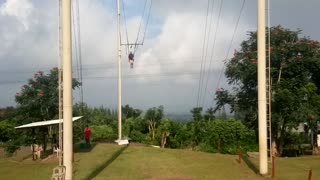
45, 123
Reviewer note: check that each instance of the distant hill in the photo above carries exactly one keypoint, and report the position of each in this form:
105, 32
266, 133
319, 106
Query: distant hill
179, 117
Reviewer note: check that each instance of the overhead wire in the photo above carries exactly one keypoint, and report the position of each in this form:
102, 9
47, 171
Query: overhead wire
77, 44
174, 74
74, 42
206, 54
147, 22
202, 56
230, 46
142, 75
141, 20
212, 53
164, 61
125, 24
80, 49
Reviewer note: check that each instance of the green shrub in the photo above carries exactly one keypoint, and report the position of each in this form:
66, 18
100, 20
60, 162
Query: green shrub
138, 136
103, 133
11, 147
232, 134
206, 148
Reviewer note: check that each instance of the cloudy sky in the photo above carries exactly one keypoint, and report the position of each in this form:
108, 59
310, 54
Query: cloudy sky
167, 66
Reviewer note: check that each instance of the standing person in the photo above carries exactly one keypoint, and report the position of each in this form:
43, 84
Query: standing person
87, 134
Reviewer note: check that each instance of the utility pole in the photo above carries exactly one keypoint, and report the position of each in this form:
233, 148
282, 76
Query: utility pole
262, 108
67, 88
119, 76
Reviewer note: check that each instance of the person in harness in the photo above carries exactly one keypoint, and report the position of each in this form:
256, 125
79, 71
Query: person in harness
131, 59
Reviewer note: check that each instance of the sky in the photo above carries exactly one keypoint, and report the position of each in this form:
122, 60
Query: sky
167, 65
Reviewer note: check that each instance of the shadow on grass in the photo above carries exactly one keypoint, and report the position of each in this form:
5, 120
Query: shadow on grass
250, 164
101, 167
81, 148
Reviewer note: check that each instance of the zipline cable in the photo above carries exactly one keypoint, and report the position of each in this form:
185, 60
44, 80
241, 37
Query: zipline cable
203, 47
145, 30
144, 9
212, 53
230, 46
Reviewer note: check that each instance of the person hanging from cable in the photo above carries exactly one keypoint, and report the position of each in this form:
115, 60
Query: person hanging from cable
131, 59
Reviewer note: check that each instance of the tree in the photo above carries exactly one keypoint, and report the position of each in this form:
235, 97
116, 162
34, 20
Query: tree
153, 117
38, 100
295, 63
196, 113
209, 116
129, 112
164, 129
196, 126
223, 98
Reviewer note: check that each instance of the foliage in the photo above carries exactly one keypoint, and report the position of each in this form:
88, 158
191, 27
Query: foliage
196, 113
103, 133
168, 133
129, 112
209, 114
7, 137
95, 116
132, 126
39, 98
153, 116
7, 113
232, 134
295, 63
11, 138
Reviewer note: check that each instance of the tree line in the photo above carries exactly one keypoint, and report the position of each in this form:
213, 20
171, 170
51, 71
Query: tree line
295, 100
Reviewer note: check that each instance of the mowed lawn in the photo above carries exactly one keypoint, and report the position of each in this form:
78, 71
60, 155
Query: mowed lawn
296, 168
139, 162
110, 161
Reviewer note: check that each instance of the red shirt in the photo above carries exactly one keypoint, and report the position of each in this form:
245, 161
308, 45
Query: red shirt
87, 132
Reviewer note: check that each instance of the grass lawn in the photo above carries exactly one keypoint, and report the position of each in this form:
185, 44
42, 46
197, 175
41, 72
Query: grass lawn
138, 162
108, 161
294, 168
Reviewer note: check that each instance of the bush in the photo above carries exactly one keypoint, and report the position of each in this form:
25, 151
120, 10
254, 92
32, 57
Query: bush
232, 134
138, 136
207, 148
11, 147
103, 133
10, 138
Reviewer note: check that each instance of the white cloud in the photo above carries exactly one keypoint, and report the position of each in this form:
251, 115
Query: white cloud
172, 49
20, 9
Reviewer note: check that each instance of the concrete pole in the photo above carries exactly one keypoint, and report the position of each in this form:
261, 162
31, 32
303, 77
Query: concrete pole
119, 76
67, 88
262, 106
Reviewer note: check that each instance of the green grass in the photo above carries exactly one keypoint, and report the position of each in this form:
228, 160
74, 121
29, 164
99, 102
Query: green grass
108, 161
294, 168
14, 170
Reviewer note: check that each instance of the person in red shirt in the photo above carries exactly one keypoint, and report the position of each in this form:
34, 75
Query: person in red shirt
87, 134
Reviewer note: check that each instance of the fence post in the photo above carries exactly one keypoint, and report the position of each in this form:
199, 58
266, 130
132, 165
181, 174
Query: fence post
239, 154
219, 145
310, 174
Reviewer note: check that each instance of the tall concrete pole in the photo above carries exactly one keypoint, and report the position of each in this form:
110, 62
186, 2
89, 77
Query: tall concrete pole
67, 88
119, 75
262, 99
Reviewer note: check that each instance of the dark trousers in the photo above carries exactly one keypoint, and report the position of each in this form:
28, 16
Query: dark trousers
87, 140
